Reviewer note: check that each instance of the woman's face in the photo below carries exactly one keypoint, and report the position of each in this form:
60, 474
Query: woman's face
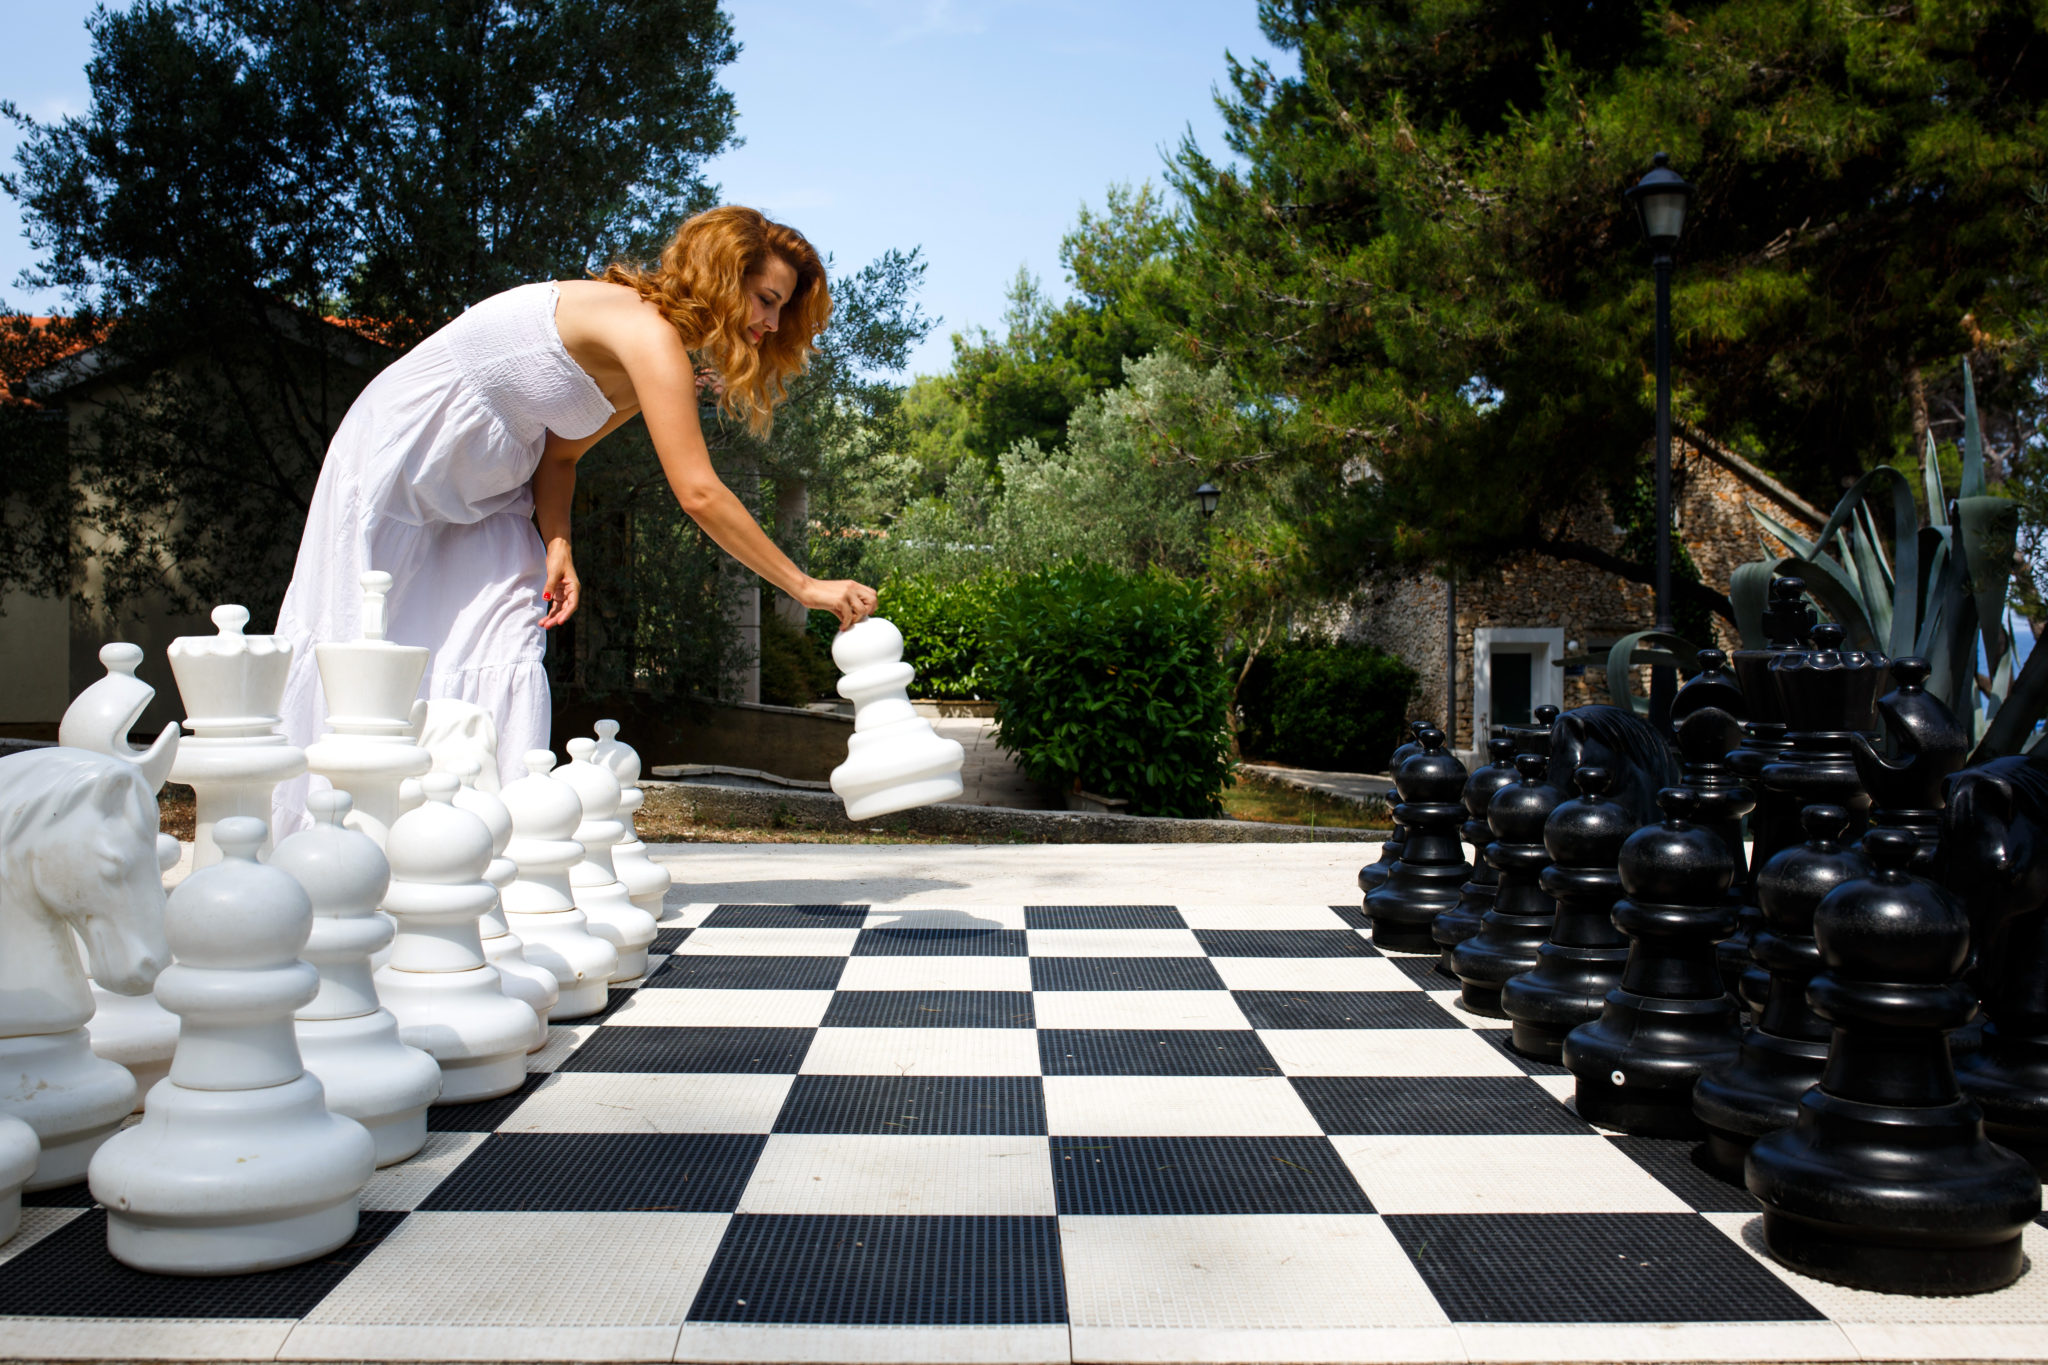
767, 291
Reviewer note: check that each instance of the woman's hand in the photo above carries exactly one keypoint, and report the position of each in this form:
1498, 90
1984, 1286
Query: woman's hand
851, 602
564, 590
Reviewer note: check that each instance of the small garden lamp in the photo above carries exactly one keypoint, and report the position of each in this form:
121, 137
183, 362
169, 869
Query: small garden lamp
1660, 199
1208, 495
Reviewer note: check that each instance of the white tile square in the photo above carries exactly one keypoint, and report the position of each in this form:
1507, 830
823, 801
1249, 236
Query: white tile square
617, 1102
36, 1224
1261, 917
922, 1052
404, 1186
807, 942
1384, 1052
1310, 974
1175, 1106
1453, 1002
1518, 1173
690, 915
936, 974
209, 1339
1563, 1089
941, 917
563, 1039
1113, 943
723, 1343
696, 1007
845, 1173
1138, 1010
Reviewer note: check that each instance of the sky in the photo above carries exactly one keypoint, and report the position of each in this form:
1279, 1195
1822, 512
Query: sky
974, 129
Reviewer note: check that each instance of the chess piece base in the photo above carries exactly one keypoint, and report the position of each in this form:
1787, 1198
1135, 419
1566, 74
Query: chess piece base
559, 941
480, 1078
924, 792
1566, 988
532, 986
1759, 1094
1861, 1260
1626, 1080
73, 1100
18, 1152
467, 1024
2009, 1081
136, 1032
374, 1078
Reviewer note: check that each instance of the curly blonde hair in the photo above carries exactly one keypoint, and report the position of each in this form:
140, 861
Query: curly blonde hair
699, 286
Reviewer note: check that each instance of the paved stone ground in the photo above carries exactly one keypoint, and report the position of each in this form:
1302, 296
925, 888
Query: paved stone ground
1344, 786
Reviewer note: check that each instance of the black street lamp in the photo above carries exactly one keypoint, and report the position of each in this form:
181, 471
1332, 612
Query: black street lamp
1660, 199
1208, 495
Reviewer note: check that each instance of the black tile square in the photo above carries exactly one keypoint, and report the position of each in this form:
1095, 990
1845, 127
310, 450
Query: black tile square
1413, 1105
1283, 943
1161, 1052
1676, 1162
754, 1051
736, 972
940, 943
1352, 915
1164, 1175
70, 1274
930, 1009
667, 940
602, 1172
1591, 1267
1103, 917
786, 917
613, 999
1423, 971
1499, 1039
77, 1196
1124, 974
1342, 1009
980, 1106
875, 1270
485, 1115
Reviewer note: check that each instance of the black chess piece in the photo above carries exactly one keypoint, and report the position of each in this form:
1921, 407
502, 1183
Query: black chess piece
1669, 1019
1707, 716
1774, 822
1425, 882
1374, 874
1475, 897
1583, 958
1533, 738
1638, 759
1926, 744
1995, 856
1830, 695
1522, 910
1784, 1051
1887, 1181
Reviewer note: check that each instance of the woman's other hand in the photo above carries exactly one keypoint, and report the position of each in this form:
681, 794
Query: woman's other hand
564, 590
851, 602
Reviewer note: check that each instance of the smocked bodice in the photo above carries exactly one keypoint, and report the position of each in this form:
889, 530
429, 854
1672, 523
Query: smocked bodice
511, 355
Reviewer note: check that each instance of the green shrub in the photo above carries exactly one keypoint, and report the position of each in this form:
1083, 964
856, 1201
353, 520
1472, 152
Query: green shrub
1319, 704
945, 629
1111, 682
795, 670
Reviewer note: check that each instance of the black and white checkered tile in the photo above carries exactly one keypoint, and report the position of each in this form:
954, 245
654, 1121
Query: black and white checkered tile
1018, 1134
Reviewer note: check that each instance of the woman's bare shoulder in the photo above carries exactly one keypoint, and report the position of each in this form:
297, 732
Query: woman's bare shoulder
611, 319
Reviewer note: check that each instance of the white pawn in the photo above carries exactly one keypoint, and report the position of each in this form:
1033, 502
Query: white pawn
232, 684
18, 1152
237, 1165
531, 985
347, 1040
600, 895
374, 715
894, 760
540, 906
446, 997
647, 881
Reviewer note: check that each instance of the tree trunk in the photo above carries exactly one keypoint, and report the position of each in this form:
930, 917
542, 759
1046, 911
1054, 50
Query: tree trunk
1916, 397
792, 533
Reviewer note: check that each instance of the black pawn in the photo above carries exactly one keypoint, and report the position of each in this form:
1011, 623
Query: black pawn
1520, 919
1669, 1019
1785, 1051
1374, 874
1475, 897
1887, 1181
1926, 744
1583, 960
1708, 718
1425, 882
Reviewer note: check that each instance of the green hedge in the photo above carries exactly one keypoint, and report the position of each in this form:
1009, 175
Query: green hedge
1318, 704
945, 629
1111, 682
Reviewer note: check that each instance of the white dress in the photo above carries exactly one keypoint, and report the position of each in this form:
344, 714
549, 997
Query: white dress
427, 479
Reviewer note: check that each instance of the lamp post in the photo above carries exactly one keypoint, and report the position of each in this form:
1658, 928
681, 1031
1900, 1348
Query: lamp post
1208, 495
1660, 199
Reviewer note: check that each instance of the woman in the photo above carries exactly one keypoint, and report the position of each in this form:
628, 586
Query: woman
450, 458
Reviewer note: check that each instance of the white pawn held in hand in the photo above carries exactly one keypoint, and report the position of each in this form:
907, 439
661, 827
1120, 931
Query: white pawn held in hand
540, 906
347, 1040
600, 895
373, 716
446, 997
533, 986
645, 880
237, 1165
894, 761
233, 757
18, 1153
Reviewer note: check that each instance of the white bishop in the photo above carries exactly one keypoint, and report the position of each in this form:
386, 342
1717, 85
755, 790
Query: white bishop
645, 880
600, 895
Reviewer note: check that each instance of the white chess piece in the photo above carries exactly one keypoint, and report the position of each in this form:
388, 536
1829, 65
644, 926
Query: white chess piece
77, 854
373, 715
646, 881
531, 985
133, 1030
445, 995
600, 895
894, 760
18, 1152
346, 1039
540, 907
457, 731
236, 1165
233, 756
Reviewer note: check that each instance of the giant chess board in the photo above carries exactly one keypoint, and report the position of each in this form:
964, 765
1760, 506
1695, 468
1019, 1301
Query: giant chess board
1034, 1133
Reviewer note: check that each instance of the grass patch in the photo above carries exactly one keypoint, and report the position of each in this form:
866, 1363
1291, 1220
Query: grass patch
1277, 803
